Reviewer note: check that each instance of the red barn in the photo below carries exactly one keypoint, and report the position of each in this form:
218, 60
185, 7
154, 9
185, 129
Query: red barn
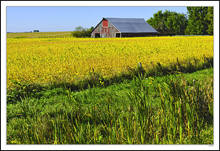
123, 27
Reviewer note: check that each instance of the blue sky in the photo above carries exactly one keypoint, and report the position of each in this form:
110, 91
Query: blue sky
22, 19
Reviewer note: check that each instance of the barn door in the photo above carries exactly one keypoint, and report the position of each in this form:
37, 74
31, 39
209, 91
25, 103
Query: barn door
118, 35
97, 35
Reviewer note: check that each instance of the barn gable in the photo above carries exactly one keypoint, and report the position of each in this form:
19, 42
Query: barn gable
105, 29
123, 27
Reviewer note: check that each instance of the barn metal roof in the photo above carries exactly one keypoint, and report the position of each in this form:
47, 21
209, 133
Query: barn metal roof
131, 25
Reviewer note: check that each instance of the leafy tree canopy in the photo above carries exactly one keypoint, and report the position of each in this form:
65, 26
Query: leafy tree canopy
168, 23
198, 21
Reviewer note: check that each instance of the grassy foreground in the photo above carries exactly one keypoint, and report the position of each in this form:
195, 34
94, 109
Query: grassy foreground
174, 109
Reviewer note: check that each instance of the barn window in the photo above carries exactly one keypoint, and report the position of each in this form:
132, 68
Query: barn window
105, 23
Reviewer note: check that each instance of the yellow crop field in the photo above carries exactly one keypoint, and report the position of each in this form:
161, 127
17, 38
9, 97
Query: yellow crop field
48, 60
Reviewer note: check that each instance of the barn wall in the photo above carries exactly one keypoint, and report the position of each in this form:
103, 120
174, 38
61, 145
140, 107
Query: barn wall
138, 34
108, 31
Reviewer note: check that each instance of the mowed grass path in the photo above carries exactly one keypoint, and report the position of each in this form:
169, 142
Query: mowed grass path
107, 115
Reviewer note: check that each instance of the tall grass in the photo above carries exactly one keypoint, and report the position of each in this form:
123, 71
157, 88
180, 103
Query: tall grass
184, 109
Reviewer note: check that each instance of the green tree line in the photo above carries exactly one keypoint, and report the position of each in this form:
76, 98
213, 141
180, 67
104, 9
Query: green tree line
198, 21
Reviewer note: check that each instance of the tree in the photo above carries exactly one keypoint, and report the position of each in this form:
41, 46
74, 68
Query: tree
36, 31
79, 28
168, 23
198, 21
82, 32
157, 22
176, 23
210, 19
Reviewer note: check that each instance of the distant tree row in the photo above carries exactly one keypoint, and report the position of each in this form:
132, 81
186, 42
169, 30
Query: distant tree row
198, 22
82, 32
36, 31
33, 31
